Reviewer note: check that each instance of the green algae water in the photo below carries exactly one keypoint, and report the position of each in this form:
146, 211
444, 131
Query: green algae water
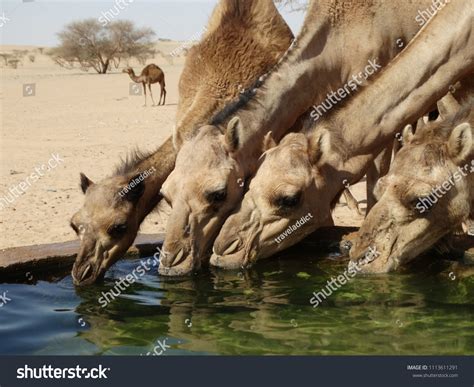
262, 311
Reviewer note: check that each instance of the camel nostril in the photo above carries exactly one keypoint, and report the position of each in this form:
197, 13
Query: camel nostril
86, 272
232, 247
174, 260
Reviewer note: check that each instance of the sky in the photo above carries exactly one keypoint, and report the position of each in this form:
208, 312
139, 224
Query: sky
37, 22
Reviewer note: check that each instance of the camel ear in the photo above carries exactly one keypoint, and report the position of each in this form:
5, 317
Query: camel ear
318, 145
268, 142
407, 135
460, 142
134, 189
448, 105
233, 134
85, 183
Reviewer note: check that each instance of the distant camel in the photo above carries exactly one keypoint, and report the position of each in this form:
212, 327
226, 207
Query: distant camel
150, 74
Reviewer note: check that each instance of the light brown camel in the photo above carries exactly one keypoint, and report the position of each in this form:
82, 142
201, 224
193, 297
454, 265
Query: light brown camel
419, 206
305, 174
208, 180
150, 74
243, 40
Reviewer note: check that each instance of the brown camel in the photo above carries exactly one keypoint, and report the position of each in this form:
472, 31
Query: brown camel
305, 174
207, 182
150, 74
419, 206
243, 40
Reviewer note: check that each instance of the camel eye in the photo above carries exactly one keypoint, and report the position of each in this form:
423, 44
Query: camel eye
216, 197
117, 230
422, 204
288, 201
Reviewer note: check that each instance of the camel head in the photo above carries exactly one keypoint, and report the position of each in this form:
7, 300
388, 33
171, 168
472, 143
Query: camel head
106, 225
425, 195
205, 185
128, 70
282, 198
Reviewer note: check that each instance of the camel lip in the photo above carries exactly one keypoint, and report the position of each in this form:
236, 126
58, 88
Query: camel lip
232, 248
227, 262
91, 270
87, 276
185, 266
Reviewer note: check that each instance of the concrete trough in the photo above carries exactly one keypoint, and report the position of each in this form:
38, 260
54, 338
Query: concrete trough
51, 261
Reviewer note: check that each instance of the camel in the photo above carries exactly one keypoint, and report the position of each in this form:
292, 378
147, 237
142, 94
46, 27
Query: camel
150, 74
305, 174
242, 41
208, 181
417, 207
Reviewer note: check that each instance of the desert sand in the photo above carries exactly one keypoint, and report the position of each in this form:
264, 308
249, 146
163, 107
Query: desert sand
87, 122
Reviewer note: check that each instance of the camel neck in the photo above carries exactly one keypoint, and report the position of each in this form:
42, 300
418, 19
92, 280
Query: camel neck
411, 83
134, 78
326, 54
161, 162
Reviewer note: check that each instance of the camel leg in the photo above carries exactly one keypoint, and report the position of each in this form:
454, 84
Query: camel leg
149, 88
144, 90
351, 201
163, 93
378, 168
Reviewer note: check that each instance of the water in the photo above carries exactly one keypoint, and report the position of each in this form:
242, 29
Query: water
262, 311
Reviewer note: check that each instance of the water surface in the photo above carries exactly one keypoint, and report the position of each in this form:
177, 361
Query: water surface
262, 311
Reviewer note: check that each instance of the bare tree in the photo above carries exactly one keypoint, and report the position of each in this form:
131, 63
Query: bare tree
91, 45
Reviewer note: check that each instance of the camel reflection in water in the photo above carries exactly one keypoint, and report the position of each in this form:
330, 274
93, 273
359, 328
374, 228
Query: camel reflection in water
266, 310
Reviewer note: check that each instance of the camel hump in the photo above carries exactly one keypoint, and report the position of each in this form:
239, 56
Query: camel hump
151, 68
258, 17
